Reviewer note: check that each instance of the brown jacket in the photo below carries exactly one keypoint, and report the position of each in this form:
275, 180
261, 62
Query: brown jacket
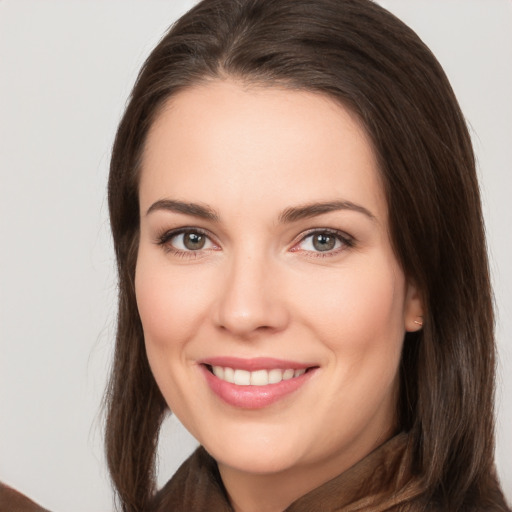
382, 481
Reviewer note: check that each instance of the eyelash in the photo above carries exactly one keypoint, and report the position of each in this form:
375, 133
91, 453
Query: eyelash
346, 240
164, 241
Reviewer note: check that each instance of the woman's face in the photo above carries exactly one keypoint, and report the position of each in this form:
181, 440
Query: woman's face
265, 258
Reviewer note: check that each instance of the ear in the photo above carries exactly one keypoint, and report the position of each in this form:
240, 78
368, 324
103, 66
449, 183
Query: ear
413, 309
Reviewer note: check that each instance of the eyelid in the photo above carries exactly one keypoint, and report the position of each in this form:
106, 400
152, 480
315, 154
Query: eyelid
164, 238
347, 241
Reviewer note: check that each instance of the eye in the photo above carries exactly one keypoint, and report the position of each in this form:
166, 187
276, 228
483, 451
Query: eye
190, 241
324, 241
186, 241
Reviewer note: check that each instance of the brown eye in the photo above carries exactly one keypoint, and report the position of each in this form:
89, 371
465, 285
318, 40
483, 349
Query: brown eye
187, 241
194, 241
324, 242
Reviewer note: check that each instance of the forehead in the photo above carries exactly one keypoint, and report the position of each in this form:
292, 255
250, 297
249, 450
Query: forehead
225, 142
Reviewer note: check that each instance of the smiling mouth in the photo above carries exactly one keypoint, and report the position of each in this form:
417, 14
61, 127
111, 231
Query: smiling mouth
255, 383
255, 378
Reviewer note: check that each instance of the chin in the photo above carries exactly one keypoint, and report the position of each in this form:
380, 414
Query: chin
255, 459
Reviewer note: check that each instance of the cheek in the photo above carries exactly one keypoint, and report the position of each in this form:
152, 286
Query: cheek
170, 305
358, 316
359, 310
171, 311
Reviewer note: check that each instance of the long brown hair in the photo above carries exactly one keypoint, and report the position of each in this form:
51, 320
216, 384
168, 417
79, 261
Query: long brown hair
363, 56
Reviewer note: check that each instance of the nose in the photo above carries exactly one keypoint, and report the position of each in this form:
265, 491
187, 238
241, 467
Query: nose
251, 299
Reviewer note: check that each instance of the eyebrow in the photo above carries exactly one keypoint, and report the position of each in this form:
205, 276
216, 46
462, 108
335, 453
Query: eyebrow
287, 216
314, 209
193, 209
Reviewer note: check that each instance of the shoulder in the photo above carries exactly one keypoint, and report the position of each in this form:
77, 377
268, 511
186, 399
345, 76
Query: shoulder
488, 499
13, 501
422, 505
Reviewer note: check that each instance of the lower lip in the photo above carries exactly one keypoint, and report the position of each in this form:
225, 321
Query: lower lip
253, 397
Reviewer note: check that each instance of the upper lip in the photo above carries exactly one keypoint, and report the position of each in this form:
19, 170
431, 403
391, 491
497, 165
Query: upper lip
254, 364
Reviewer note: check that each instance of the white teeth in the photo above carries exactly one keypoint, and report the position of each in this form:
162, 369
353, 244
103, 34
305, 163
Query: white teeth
275, 376
259, 378
288, 374
242, 378
256, 378
229, 375
218, 371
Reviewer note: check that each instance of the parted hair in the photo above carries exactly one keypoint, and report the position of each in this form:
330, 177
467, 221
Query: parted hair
364, 57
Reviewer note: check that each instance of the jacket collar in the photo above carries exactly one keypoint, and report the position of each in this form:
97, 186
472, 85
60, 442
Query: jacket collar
380, 481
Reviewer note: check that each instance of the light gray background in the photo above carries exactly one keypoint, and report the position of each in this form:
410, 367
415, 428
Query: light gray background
66, 68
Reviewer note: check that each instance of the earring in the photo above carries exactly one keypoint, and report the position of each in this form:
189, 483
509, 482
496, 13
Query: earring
420, 323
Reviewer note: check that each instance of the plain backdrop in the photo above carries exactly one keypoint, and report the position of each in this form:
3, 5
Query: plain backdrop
66, 69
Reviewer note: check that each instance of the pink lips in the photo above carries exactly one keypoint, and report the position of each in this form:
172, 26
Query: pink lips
249, 396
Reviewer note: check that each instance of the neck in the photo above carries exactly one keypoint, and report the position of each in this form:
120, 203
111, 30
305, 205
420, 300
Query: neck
275, 491
263, 492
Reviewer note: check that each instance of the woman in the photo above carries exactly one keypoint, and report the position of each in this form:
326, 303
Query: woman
302, 269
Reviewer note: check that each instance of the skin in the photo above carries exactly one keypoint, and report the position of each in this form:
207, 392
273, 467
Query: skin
259, 287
